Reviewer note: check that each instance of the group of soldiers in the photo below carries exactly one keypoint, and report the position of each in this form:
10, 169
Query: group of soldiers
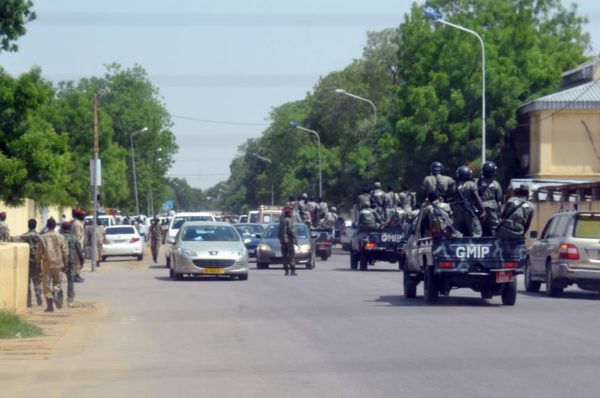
466, 206
315, 213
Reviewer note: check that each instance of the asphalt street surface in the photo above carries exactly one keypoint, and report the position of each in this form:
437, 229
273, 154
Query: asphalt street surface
329, 332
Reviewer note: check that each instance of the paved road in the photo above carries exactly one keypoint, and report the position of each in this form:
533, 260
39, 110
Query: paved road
329, 332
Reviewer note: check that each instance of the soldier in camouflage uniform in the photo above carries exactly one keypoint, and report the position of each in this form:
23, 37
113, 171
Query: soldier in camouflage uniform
363, 199
4, 231
287, 239
517, 215
74, 256
155, 237
467, 206
77, 229
32, 238
441, 185
51, 254
490, 192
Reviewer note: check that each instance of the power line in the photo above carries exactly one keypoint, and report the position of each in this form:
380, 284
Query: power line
219, 121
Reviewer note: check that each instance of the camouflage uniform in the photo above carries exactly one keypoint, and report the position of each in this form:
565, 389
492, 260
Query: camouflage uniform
437, 219
89, 232
287, 239
406, 201
517, 216
155, 239
52, 255
441, 185
363, 200
4, 232
368, 219
467, 207
32, 238
313, 210
74, 257
78, 231
490, 192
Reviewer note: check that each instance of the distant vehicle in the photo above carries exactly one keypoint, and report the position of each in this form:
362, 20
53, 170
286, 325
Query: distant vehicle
107, 221
208, 249
324, 242
269, 214
179, 219
269, 248
372, 245
249, 234
253, 216
122, 241
243, 219
567, 253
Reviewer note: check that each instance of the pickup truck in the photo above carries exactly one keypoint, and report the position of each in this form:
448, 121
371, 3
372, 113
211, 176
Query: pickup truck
488, 265
371, 245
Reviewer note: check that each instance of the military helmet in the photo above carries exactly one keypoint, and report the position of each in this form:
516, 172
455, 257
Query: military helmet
488, 169
464, 173
333, 209
437, 167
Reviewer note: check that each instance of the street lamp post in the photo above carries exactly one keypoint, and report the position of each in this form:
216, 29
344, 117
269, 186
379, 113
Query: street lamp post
267, 160
344, 92
438, 17
297, 126
137, 203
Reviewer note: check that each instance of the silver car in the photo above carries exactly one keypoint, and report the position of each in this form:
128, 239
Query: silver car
204, 248
567, 252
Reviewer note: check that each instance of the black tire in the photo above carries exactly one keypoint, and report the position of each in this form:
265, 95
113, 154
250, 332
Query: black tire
552, 290
401, 263
530, 286
243, 277
353, 261
178, 277
103, 258
168, 261
431, 289
171, 274
410, 286
311, 263
140, 257
262, 265
324, 257
509, 293
363, 261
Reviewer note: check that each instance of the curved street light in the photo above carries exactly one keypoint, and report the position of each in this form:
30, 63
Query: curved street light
438, 17
299, 127
344, 92
137, 203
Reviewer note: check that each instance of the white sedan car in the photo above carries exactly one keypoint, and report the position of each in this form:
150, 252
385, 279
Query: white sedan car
203, 248
122, 240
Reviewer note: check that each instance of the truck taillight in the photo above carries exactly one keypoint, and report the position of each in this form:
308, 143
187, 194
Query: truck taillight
567, 251
134, 239
445, 264
511, 264
370, 245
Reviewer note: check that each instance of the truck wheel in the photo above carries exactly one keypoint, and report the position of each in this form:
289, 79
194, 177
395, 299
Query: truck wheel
364, 261
324, 257
353, 261
401, 263
410, 286
262, 265
530, 285
509, 293
431, 289
552, 289
168, 261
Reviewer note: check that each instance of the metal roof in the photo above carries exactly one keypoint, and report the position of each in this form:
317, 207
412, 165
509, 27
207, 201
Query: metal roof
585, 96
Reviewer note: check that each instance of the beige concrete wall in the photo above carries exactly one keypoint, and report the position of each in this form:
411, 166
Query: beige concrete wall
545, 210
562, 147
14, 276
17, 217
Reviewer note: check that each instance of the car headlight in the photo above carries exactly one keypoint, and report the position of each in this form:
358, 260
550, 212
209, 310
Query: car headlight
305, 248
264, 248
240, 253
187, 252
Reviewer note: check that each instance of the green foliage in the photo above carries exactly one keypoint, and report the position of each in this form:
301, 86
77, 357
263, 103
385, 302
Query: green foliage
14, 14
12, 326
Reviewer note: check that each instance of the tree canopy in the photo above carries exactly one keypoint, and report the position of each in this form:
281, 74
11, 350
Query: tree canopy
14, 14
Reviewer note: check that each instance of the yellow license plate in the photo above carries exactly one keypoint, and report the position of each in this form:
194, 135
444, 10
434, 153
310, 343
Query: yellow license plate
214, 271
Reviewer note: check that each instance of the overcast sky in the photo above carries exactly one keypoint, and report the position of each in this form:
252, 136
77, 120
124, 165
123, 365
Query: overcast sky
221, 60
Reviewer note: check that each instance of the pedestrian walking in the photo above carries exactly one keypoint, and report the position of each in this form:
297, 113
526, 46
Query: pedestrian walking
77, 229
51, 255
75, 257
100, 236
288, 239
32, 238
4, 231
156, 236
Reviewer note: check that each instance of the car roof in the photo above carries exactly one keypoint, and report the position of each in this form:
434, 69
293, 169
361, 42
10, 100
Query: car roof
192, 213
208, 223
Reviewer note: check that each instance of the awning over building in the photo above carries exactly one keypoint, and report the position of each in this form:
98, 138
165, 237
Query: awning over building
585, 96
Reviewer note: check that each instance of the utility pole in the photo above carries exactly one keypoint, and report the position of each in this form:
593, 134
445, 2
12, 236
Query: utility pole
95, 166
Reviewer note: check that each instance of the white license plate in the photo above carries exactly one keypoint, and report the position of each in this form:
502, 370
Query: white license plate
504, 276
278, 254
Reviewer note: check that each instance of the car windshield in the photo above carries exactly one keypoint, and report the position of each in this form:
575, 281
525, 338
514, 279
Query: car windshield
249, 230
209, 233
587, 226
120, 231
178, 222
272, 231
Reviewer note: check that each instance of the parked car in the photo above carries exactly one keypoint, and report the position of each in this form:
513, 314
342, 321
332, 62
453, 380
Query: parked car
269, 248
106, 220
243, 219
178, 220
566, 253
249, 234
121, 241
208, 249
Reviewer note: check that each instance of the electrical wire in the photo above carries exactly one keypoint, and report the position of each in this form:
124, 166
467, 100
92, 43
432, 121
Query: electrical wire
218, 121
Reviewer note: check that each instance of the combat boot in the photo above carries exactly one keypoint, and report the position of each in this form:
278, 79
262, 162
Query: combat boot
154, 258
287, 272
293, 273
50, 305
38, 295
58, 299
78, 279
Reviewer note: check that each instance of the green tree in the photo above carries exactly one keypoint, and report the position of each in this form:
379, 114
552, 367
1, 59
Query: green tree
14, 14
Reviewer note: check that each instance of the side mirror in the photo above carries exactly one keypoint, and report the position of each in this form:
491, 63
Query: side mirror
533, 234
171, 240
258, 236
